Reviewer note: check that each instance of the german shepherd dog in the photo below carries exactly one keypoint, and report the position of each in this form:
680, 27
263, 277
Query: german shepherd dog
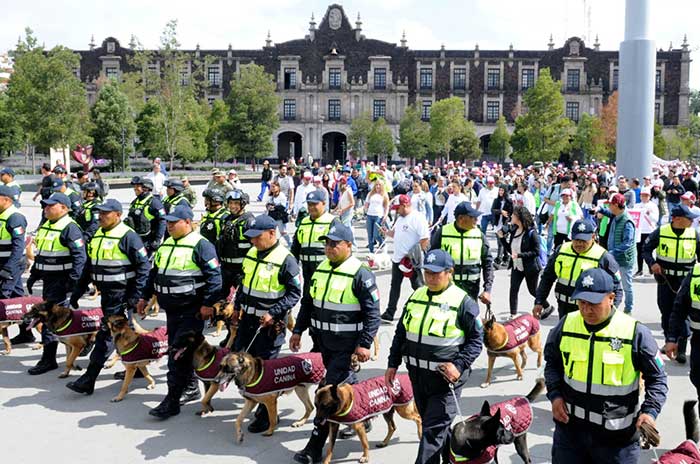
496, 338
484, 433
226, 315
12, 311
243, 368
55, 317
195, 346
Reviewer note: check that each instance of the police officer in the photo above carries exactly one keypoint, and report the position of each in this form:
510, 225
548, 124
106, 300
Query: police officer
187, 281
566, 264
76, 206
594, 359
676, 246
59, 262
13, 226
233, 245
466, 243
87, 220
146, 214
343, 306
118, 266
175, 197
216, 213
271, 287
439, 337
7, 176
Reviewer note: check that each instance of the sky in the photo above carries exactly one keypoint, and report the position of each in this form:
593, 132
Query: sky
459, 24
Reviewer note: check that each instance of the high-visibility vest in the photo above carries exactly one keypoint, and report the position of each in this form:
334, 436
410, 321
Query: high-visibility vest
52, 255
432, 334
210, 227
694, 312
87, 214
308, 234
465, 249
178, 274
5, 235
261, 287
676, 255
569, 265
575, 209
336, 309
108, 262
170, 202
232, 244
601, 384
140, 214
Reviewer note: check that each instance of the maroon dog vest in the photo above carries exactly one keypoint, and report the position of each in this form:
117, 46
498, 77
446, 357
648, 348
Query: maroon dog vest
516, 416
13, 309
283, 374
519, 330
149, 347
686, 453
209, 371
371, 397
82, 322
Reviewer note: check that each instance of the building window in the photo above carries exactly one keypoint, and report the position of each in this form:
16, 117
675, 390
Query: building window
334, 110
426, 79
214, 76
211, 101
290, 109
573, 80
111, 72
493, 79
657, 112
379, 108
527, 79
459, 79
493, 111
425, 111
334, 78
290, 78
572, 111
379, 78
616, 78
184, 76
658, 80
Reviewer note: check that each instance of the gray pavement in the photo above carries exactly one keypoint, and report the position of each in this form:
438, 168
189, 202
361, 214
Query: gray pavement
42, 420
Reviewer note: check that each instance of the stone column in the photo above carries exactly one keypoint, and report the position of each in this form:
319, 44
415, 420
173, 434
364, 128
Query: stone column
635, 122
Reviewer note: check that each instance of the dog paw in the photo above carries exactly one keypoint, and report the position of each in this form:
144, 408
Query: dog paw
150, 386
116, 399
382, 445
373, 358
519, 377
485, 384
364, 459
298, 423
63, 375
77, 368
268, 433
239, 439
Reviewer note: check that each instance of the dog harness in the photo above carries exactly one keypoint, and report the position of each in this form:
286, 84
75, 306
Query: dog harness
82, 322
371, 397
516, 416
686, 453
210, 369
13, 309
283, 374
149, 347
519, 330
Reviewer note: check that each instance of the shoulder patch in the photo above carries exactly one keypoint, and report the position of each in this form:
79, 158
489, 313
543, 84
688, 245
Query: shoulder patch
213, 263
17, 231
78, 243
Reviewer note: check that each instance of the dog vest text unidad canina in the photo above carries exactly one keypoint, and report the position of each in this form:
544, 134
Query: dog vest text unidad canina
149, 347
82, 322
519, 330
372, 397
210, 370
14, 309
283, 374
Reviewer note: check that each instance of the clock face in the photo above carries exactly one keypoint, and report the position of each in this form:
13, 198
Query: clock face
335, 19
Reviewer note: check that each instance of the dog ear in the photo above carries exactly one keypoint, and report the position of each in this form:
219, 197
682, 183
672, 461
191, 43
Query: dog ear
334, 391
485, 409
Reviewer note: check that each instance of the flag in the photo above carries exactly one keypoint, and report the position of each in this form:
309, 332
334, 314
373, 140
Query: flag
659, 361
142, 252
18, 231
213, 263
375, 294
78, 243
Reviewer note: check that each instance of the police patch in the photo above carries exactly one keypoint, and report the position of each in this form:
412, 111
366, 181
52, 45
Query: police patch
142, 252
213, 263
616, 344
78, 243
18, 231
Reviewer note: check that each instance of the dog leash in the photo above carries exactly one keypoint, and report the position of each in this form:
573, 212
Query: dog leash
454, 395
254, 337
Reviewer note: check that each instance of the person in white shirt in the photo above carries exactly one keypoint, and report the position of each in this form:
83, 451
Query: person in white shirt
234, 180
303, 189
566, 212
648, 220
484, 202
456, 197
525, 198
158, 179
409, 230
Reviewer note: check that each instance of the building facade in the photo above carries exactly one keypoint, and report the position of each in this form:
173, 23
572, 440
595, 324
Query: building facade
335, 74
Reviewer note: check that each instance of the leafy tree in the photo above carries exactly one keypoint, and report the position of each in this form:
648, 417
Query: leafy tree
360, 129
659, 141
590, 138
499, 144
380, 141
694, 126
543, 132
218, 147
414, 134
608, 119
113, 125
695, 102
466, 144
11, 138
447, 123
253, 109
679, 144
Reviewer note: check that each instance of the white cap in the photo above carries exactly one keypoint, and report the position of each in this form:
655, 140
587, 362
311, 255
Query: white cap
490, 180
613, 189
645, 191
567, 192
307, 175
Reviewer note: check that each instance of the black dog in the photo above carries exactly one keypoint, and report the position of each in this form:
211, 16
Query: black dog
477, 438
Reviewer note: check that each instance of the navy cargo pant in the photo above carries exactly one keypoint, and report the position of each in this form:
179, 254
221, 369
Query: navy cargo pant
179, 321
55, 291
695, 360
577, 447
267, 345
665, 296
113, 303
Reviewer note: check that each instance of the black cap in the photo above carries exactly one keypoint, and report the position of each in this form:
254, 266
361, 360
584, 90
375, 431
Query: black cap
592, 285
438, 261
57, 197
109, 205
259, 225
465, 209
338, 232
59, 170
683, 211
315, 197
179, 213
583, 229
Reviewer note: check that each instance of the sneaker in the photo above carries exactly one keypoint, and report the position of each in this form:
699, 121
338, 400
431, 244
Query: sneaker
639, 274
628, 311
386, 318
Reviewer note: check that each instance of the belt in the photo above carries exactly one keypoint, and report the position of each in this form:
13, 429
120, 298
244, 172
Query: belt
180, 289
232, 260
674, 272
598, 419
330, 327
468, 277
564, 298
421, 363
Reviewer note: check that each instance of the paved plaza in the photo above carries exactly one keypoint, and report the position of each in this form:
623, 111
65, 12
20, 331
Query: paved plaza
42, 420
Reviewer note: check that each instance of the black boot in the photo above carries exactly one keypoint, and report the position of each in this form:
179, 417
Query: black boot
170, 406
25, 335
48, 360
261, 421
349, 432
85, 384
682, 345
191, 392
122, 374
313, 451
86, 349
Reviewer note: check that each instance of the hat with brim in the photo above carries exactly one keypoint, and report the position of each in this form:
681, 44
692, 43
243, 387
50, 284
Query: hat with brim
338, 232
438, 261
593, 285
55, 198
180, 213
259, 225
109, 205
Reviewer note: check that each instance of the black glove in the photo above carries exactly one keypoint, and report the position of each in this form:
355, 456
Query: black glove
74, 301
30, 283
6, 275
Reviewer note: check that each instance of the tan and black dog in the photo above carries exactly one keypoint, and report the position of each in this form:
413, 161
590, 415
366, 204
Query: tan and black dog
354, 404
510, 340
137, 349
263, 381
12, 311
75, 329
225, 315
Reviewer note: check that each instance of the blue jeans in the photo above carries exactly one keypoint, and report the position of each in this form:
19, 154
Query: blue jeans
626, 277
485, 221
373, 235
346, 219
550, 238
263, 186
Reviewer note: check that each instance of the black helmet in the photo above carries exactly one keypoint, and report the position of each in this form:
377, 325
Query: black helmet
238, 195
175, 184
90, 186
213, 195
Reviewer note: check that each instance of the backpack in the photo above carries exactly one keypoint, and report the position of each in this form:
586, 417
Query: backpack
542, 257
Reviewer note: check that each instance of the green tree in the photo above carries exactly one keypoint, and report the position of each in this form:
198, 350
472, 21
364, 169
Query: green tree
499, 145
360, 129
466, 144
590, 138
447, 123
11, 138
113, 125
695, 102
380, 141
218, 147
149, 131
414, 134
679, 144
659, 141
253, 109
542, 134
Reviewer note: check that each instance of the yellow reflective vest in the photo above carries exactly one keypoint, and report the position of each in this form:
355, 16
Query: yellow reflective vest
178, 274
676, 254
108, 262
261, 286
336, 308
569, 265
465, 249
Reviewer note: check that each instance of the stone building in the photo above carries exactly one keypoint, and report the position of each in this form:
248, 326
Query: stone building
335, 73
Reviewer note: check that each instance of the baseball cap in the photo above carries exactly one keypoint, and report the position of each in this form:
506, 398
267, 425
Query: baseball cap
59, 170
347, 169
402, 199
6, 191
582, 229
593, 285
232, 171
315, 197
57, 197
645, 191
8, 171
109, 205
217, 172
683, 211
338, 232
179, 213
56, 184
688, 196
618, 200
465, 209
317, 179
260, 224
567, 192
613, 189
438, 261
307, 175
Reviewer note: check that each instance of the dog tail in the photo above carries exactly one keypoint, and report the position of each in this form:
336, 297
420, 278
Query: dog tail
536, 390
137, 327
692, 431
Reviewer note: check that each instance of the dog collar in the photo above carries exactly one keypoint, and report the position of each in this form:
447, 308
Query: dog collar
502, 346
65, 326
204, 367
129, 350
347, 411
257, 381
